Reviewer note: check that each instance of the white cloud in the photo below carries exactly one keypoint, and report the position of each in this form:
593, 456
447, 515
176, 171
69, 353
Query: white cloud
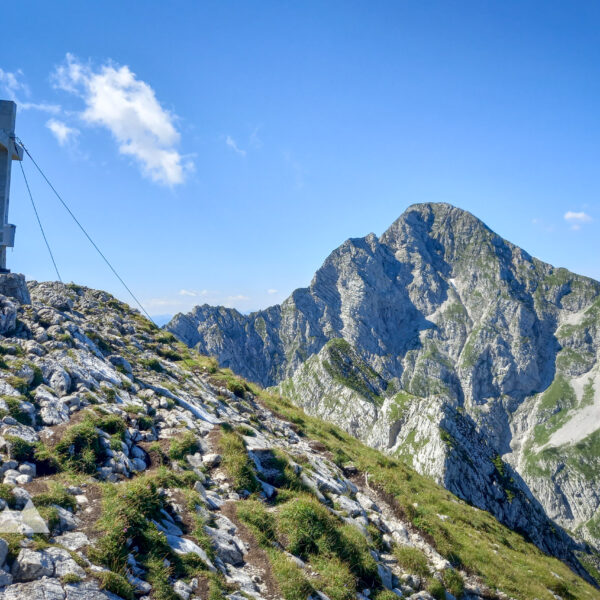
233, 145
272, 291
62, 132
127, 106
577, 219
255, 141
196, 293
12, 83
185, 300
13, 86
53, 109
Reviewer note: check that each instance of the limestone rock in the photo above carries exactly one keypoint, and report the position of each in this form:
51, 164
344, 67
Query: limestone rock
13, 286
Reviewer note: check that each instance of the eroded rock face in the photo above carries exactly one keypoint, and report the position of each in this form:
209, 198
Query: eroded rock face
13, 286
440, 316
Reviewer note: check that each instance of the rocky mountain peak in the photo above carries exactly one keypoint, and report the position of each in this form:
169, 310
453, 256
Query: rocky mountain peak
497, 348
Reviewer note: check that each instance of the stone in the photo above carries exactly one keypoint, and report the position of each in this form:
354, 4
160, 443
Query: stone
67, 520
182, 589
42, 589
63, 563
195, 460
184, 546
141, 586
385, 574
30, 565
27, 469
229, 548
72, 540
13, 286
211, 460
5, 578
3, 551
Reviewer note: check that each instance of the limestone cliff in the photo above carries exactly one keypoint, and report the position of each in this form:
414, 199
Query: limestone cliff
465, 351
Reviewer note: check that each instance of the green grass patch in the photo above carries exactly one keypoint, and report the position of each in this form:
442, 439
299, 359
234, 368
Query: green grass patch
236, 462
126, 522
413, 560
180, 448
56, 494
291, 580
115, 583
16, 411
262, 523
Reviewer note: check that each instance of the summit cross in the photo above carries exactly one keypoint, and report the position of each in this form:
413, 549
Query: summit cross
9, 151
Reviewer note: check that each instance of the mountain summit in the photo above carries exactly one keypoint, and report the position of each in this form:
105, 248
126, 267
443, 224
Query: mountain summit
445, 344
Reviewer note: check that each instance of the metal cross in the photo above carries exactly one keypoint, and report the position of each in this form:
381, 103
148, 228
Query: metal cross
9, 151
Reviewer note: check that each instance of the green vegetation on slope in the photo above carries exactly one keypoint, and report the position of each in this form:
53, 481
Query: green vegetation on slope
338, 554
348, 370
471, 539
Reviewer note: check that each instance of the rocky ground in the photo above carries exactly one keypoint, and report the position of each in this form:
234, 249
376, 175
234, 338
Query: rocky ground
159, 475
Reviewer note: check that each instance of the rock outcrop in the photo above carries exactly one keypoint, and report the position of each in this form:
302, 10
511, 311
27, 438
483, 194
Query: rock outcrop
447, 345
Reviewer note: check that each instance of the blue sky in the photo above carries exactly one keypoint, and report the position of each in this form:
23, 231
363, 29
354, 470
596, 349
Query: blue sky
218, 151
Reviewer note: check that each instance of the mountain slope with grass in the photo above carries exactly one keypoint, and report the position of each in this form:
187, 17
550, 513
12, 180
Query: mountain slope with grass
446, 345
161, 475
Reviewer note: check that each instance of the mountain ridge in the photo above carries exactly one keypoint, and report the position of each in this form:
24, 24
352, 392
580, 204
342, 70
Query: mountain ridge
161, 475
440, 306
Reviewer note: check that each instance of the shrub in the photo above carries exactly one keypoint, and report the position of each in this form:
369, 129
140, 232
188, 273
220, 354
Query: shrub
168, 353
38, 377
79, 449
153, 364
166, 337
244, 430
353, 548
18, 383
335, 578
126, 514
385, 595
307, 526
145, 422
236, 387
112, 424
7, 495
70, 578
50, 515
